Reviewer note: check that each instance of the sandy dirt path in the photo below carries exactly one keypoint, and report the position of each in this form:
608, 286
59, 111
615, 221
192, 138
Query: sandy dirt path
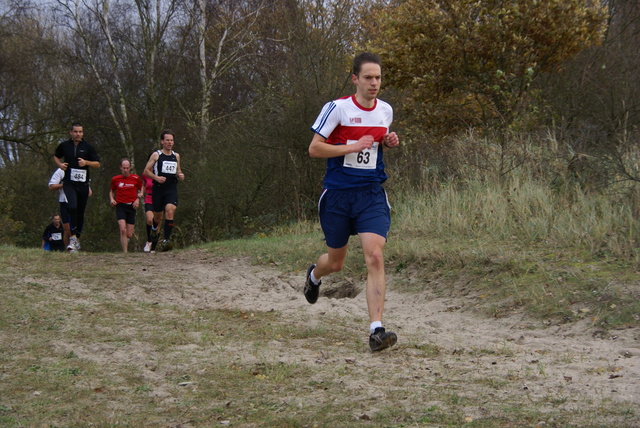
513, 358
575, 360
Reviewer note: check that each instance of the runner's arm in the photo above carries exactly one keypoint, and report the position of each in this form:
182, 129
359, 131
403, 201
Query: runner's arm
320, 149
179, 174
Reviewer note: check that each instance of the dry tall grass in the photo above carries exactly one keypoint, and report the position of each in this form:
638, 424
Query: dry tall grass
529, 190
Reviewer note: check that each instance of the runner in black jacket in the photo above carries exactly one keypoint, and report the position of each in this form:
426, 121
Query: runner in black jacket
78, 156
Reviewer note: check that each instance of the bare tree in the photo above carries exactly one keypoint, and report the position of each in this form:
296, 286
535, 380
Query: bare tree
113, 54
33, 86
224, 32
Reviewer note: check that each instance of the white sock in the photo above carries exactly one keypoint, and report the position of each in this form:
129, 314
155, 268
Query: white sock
375, 325
313, 278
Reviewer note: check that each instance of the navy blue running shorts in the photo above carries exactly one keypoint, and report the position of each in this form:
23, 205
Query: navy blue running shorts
351, 211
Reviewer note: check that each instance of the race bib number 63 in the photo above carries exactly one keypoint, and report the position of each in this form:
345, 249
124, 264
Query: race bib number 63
366, 159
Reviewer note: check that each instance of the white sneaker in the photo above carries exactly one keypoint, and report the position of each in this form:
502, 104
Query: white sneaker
147, 247
73, 245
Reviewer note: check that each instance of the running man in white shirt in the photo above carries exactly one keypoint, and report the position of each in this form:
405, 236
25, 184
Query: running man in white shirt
352, 133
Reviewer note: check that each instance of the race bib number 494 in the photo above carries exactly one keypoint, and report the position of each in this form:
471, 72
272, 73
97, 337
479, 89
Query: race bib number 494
366, 159
169, 167
79, 175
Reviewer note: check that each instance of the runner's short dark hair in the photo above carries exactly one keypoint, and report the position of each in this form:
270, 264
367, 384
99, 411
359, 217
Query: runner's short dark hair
363, 58
165, 132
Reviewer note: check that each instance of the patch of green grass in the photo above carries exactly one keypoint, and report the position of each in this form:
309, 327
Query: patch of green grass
429, 350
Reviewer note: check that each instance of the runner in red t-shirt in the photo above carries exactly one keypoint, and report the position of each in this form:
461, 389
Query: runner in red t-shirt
125, 190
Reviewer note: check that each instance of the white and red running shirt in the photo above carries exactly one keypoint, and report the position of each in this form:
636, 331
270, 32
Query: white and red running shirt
344, 121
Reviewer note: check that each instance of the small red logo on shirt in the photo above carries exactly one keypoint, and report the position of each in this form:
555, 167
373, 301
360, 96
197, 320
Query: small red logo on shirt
355, 120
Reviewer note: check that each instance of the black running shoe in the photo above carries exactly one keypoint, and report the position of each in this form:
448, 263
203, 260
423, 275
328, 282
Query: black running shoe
166, 245
311, 290
380, 339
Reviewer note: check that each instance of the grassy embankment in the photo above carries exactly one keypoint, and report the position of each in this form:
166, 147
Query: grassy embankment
518, 246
